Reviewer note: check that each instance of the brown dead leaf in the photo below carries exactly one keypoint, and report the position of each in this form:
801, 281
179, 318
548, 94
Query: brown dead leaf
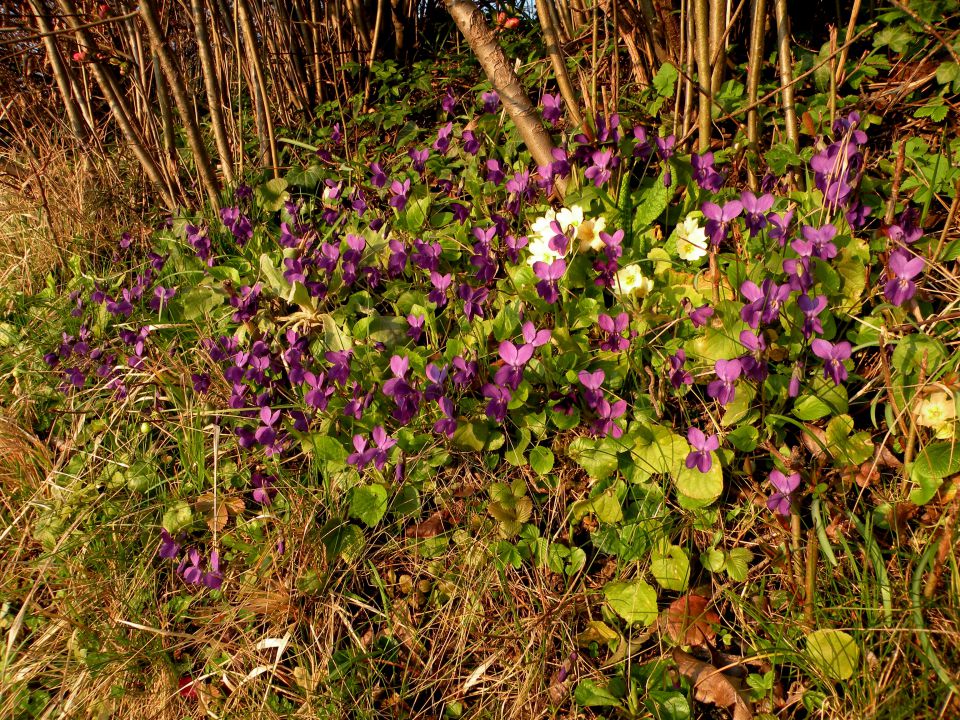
431, 527
689, 620
712, 686
218, 509
815, 440
867, 474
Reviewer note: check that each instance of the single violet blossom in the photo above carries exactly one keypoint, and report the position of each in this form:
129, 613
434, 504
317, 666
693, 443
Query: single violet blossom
833, 356
399, 194
784, 485
552, 107
700, 315
168, 546
678, 375
905, 267
593, 384
811, 307
534, 337
724, 388
765, 301
754, 209
549, 276
718, 219
817, 242
702, 445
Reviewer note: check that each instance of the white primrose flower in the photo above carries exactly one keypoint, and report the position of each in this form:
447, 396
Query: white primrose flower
630, 281
938, 412
691, 239
540, 251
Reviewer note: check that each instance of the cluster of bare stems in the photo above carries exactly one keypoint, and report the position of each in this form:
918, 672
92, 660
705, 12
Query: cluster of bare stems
138, 73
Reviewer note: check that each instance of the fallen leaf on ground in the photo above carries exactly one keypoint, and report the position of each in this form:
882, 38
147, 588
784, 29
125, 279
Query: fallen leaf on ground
712, 686
689, 621
431, 527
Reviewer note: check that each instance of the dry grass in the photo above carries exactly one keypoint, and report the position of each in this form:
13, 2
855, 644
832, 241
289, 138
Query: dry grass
56, 202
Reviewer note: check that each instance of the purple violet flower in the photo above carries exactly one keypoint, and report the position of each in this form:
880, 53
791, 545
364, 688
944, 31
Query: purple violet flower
704, 173
613, 329
491, 101
754, 210
699, 316
447, 425
780, 226
510, 375
495, 172
599, 172
263, 489
442, 143
592, 383
441, 283
378, 178
552, 107
499, 398
718, 219
754, 364
724, 388
470, 143
905, 267
607, 414
765, 302
534, 337
817, 242
679, 376
419, 157
785, 486
833, 356
811, 309
416, 329
464, 371
168, 546
702, 445
399, 194
473, 300
549, 276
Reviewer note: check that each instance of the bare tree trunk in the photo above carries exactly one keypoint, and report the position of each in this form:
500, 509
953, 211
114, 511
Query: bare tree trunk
166, 115
207, 177
702, 19
757, 25
212, 88
718, 55
60, 73
471, 23
117, 103
253, 56
552, 39
786, 71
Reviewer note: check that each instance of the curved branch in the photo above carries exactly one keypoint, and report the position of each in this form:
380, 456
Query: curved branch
484, 45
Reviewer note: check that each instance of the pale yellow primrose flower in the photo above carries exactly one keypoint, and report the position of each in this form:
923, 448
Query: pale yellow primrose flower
572, 221
691, 239
937, 411
589, 234
630, 281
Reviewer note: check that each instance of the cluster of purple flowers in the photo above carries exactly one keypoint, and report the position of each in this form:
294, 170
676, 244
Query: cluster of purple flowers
191, 566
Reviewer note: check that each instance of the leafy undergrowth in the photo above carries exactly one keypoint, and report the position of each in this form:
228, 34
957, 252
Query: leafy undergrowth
405, 434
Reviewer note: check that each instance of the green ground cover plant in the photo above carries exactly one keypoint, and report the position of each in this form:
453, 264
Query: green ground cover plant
422, 428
